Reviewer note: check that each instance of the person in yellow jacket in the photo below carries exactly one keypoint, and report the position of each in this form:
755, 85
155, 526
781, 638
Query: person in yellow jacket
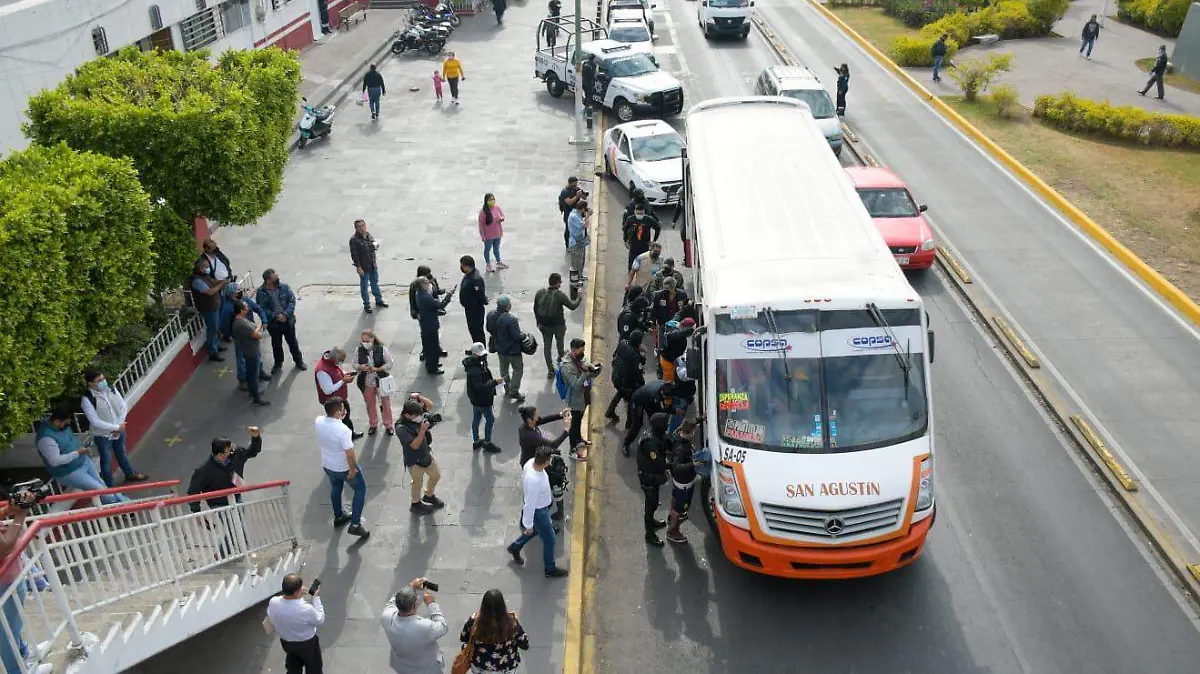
452, 70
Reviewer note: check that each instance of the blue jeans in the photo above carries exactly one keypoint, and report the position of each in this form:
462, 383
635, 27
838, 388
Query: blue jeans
86, 478
369, 276
210, 331
1088, 43
241, 363
337, 479
373, 94
12, 617
543, 527
937, 65
491, 247
482, 413
107, 448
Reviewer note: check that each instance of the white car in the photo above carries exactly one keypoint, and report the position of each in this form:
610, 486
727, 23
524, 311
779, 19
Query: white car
646, 155
633, 32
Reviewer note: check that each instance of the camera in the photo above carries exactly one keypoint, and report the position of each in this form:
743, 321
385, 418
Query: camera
30, 493
431, 418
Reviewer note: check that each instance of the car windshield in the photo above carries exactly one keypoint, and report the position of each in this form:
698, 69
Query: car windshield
893, 202
817, 100
657, 148
630, 66
726, 4
629, 34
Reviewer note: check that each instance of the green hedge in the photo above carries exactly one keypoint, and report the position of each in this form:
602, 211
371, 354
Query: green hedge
914, 13
1125, 123
1164, 17
1010, 19
914, 52
76, 262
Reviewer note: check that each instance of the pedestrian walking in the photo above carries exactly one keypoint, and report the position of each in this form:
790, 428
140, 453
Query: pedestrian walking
1158, 72
375, 380
224, 469
246, 338
684, 472
653, 397
1091, 32
652, 474
363, 247
645, 267
206, 298
491, 230
494, 636
535, 514
481, 391
331, 382
233, 295
437, 85
506, 340
627, 375
296, 622
106, 412
548, 305
843, 87
578, 224
429, 311
499, 6
65, 458
413, 638
938, 52
374, 88
567, 198
341, 466
413, 431
577, 378
279, 302
452, 70
472, 295
641, 229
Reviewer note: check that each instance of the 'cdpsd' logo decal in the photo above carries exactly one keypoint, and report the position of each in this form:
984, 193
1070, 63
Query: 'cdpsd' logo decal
874, 342
770, 344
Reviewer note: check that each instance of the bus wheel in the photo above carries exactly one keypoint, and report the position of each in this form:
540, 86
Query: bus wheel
709, 505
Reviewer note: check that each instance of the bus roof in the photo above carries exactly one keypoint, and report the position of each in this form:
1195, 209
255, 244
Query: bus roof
776, 218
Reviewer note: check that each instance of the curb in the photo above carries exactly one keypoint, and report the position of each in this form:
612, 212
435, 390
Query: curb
1156, 281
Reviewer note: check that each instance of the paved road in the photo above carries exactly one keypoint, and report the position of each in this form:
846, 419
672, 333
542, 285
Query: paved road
1027, 568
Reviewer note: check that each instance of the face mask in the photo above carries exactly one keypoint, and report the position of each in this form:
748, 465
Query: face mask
654, 254
226, 461
204, 271
103, 386
491, 202
368, 345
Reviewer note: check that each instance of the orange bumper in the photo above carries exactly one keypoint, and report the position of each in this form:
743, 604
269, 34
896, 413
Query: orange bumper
822, 563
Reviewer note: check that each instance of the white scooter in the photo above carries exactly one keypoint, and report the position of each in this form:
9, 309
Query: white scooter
315, 123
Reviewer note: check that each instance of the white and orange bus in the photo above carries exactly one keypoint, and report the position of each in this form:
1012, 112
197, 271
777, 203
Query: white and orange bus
816, 354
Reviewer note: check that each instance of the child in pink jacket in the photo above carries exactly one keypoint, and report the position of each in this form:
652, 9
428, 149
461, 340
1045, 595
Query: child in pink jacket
491, 229
437, 84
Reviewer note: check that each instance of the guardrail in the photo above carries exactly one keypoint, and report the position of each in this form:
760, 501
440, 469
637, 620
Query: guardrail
148, 356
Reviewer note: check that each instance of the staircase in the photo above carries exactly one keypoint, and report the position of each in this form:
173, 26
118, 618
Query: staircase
100, 589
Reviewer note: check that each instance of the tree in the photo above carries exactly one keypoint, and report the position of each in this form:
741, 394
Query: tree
74, 240
974, 75
207, 140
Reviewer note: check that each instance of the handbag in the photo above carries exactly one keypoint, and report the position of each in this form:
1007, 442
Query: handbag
462, 661
387, 386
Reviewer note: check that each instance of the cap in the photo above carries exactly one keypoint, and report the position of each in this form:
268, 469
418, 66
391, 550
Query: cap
478, 350
688, 322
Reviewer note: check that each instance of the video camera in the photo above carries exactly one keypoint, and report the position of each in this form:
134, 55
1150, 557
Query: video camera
431, 418
29, 493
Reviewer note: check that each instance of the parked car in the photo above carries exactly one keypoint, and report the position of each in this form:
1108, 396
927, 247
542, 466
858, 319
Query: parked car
646, 155
640, 8
897, 215
633, 32
803, 85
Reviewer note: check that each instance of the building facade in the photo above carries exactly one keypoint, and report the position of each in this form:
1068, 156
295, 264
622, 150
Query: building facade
42, 41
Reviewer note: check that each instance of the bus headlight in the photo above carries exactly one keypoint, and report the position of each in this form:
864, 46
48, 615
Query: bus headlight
728, 494
925, 485
928, 244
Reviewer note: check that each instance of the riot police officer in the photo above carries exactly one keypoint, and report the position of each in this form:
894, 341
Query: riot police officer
652, 467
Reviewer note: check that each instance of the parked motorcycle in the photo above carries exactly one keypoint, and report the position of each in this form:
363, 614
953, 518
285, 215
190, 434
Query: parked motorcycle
415, 38
441, 28
315, 123
443, 12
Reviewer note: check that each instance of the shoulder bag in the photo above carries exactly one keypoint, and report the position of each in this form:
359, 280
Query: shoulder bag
462, 661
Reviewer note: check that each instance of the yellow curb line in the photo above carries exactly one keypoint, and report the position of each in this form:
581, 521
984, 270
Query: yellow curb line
1017, 343
1102, 451
1156, 281
954, 264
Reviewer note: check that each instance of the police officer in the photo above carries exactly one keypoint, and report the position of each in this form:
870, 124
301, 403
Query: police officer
635, 316
627, 376
652, 473
684, 471
651, 398
589, 79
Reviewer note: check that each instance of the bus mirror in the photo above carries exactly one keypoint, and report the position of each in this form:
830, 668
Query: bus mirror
931, 343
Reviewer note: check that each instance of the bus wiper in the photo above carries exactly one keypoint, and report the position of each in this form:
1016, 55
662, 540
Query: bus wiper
877, 316
773, 326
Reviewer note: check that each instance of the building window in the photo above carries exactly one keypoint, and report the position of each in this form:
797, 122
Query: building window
235, 15
100, 41
155, 18
199, 30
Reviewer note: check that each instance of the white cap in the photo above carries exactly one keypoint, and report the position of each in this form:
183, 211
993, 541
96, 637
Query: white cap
478, 350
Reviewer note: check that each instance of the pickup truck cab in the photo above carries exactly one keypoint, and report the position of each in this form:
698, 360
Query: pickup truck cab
627, 82
724, 17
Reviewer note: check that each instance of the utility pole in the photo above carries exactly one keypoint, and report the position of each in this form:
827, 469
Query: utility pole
580, 135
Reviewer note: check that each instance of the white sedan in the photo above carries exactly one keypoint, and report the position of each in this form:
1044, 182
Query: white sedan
646, 155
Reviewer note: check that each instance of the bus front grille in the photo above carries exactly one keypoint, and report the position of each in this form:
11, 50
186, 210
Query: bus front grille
831, 525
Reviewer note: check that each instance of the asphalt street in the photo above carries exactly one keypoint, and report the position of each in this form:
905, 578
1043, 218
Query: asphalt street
1029, 567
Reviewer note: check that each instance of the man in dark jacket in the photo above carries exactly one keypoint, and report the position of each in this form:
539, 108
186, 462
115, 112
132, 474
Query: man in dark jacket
665, 305
1158, 72
223, 470
627, 376
684, 472
938, 52
635, 316
641, 229
667, 271
373, 85
424, 272
567, 198
362, 254
279, 302
473, 297
674, 345
506, 342
589, 79
651, 398
481, 391
428, 310
652, 473
1091, 31
548, 305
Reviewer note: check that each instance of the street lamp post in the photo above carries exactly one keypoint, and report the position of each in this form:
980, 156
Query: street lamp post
580, 134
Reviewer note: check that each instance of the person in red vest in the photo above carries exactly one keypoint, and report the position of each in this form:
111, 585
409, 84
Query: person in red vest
332, 383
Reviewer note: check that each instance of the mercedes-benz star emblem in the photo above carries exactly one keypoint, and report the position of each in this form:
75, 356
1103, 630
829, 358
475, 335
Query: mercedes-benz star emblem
834, 525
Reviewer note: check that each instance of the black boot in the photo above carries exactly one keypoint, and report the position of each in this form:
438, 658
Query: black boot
653, 539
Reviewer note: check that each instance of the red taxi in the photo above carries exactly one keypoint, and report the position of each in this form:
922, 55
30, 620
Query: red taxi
897, 215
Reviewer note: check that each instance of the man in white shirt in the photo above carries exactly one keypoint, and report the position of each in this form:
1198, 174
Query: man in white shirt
218, 262
296, 622
414, 639
535, 517
644, 267
106, 411
341, 466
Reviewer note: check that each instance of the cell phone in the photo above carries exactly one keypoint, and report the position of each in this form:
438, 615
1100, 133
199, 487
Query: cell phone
316, 585
430, 585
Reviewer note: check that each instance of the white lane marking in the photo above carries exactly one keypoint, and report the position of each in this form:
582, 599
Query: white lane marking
683, 70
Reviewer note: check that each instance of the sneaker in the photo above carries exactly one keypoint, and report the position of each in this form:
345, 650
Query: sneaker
516, 554
301, 366
421, 508
490, 447
501, 265
490, 269
367, 308
477, 445
262, 403
356, 435
556, 572
435, 502
381, 305
517, 396
653, 539
358, 530
339, 520
389, 431
683, 517
677, 537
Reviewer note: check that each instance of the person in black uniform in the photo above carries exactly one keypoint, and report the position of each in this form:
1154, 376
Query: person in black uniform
651, 398
472, 295
639, 231
424, 272
589, 79
627, 375
635, 316
652, 473
684, 471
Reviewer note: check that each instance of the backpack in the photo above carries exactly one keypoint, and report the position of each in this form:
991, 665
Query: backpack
543, 307
560, 383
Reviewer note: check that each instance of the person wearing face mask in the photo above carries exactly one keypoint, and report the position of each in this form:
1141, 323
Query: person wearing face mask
106, 411
644, 268
491, 230
640, 230
685, 469
332, 381
341, 466
66, 459
233, 295
473, 297
279, 303
225, 469
206, 297
217, 260
375, 365
246, 338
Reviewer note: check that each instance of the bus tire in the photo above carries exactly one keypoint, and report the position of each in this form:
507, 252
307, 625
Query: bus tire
708, 504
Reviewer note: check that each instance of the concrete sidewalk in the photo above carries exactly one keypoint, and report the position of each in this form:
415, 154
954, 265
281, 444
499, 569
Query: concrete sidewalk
418, 176
1053, 65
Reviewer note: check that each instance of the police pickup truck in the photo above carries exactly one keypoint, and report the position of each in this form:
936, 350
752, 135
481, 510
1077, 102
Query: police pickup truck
627, 82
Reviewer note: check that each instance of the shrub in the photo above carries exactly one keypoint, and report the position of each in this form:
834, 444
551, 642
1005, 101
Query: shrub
974, 75
1010, 19
913, 52
1125, 123
1006, 100
1164, 17
852, 3
1046, 13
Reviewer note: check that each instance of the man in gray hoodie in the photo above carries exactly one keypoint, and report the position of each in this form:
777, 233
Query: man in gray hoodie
414, 639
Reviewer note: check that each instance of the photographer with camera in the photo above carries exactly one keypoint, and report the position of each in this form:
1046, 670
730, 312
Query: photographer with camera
578, 239
296, 622
567, 198
20, 501
66, 459
413, 432
414, 639
578, 376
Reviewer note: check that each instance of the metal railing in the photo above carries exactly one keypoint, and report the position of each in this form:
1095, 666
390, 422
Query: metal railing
60, 500
69, 572
149, 355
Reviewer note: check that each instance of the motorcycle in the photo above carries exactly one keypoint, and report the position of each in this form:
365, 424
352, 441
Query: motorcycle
442, 29
443, 12
315, 123
417, 38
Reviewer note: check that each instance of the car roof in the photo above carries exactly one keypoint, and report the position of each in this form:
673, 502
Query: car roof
619, 3
646, 127
874, 177
598, 48
795, 77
